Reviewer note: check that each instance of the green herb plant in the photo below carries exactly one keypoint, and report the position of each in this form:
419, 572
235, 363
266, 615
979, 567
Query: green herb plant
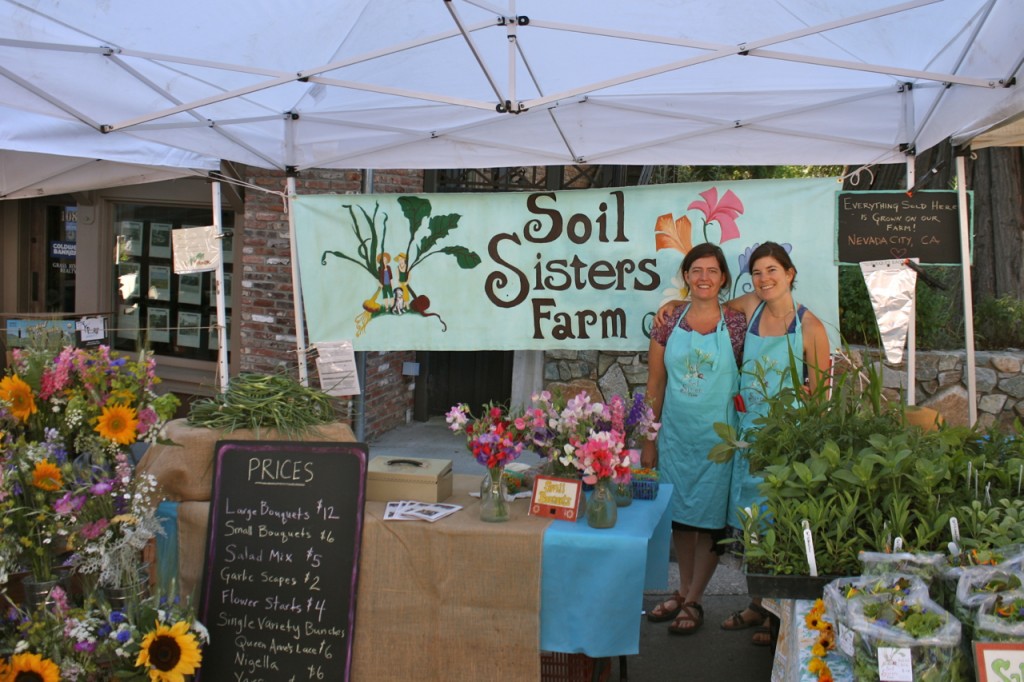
265, 401
846, 461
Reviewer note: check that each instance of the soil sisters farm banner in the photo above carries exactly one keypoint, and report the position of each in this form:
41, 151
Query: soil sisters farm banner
581, 269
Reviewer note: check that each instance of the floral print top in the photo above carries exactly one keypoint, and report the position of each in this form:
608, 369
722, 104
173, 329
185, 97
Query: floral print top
735, 322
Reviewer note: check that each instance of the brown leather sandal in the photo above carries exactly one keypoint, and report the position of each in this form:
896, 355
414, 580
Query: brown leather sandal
736, 621
689, 620
762, 636
662, 612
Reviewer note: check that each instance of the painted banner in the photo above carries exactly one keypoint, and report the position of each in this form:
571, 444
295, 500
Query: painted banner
583, 269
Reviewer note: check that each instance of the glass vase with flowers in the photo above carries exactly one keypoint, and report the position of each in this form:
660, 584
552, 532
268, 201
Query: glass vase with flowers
497, 437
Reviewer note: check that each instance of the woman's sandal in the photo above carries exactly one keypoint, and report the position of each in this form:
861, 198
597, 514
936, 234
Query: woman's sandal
690, 618
662, 612
762, 636
737, 622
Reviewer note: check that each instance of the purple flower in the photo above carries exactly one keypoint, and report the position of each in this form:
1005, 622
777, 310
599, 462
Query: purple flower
124, 636
101, 488
69, 504
87, 647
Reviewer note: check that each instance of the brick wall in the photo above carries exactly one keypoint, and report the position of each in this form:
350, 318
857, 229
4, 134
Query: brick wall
263, 287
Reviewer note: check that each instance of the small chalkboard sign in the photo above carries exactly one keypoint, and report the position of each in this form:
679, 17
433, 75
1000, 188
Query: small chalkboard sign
282, 557
887, 225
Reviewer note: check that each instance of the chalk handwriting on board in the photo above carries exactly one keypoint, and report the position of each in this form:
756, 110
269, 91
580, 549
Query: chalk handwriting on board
885, 225
282, 555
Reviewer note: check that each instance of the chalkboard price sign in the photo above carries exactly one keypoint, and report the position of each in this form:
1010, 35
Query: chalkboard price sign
891, 225
282, 557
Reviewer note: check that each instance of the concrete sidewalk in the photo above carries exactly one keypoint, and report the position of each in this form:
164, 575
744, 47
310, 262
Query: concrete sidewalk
710, 654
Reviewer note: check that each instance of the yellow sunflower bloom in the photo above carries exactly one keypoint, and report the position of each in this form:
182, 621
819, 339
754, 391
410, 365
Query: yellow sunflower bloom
169, 653
18, 395
47, 476
32, 667
815, 665
118, 423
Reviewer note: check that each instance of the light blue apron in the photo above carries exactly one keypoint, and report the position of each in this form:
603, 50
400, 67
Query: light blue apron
772, 354
702, 378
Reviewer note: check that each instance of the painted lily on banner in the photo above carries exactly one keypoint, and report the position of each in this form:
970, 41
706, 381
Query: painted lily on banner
677, 233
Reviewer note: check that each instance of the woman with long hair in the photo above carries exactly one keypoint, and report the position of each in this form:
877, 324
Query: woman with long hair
693, 370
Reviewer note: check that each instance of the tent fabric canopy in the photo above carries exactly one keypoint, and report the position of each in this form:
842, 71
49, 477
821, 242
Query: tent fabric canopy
469, 84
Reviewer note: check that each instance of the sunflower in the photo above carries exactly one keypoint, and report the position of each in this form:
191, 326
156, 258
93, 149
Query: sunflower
47, 476
19, 395
32, 668
170, 653
118, 423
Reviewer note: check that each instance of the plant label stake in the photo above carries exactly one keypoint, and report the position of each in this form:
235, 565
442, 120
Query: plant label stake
897, 544
954, 530
809, 548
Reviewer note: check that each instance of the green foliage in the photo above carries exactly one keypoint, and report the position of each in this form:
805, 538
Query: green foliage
264, 401
999, 322
849, 465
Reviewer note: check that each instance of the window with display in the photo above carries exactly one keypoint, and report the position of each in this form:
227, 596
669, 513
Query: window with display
170, 314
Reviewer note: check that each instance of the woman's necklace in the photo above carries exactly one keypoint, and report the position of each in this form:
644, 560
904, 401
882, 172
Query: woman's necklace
782, 316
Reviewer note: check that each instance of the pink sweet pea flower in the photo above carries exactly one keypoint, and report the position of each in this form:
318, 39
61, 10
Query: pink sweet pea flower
91, 531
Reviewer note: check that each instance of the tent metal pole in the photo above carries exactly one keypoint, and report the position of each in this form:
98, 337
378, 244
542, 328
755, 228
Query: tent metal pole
218, 275
965, 259
912, 327
300, 322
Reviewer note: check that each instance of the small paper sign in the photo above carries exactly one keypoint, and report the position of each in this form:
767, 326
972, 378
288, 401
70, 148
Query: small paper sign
844, 635
556, 498
92, 328
196, 249
336, 365
895, 665
999, 661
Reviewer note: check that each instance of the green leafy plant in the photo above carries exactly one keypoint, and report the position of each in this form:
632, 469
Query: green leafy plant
264, 401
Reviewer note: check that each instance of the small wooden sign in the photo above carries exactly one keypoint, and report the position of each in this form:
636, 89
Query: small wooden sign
997, 661
556, 498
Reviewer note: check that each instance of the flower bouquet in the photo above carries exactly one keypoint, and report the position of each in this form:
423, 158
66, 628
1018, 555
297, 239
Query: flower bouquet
155, 640
975, 587
906, 621
563, 425
1000, 618
67, 419
497, 437
838, 594
37, 511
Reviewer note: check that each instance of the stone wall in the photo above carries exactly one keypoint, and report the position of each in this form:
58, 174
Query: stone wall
942, 384
264, 291
939, 376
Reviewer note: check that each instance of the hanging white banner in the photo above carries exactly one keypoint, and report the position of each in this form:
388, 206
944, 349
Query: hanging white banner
196, 249
579, 269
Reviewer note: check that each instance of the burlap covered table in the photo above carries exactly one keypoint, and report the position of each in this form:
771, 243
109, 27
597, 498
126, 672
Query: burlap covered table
458, 599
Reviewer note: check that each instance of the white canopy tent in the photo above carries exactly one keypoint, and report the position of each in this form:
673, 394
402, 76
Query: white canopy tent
464, 83
472, 83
